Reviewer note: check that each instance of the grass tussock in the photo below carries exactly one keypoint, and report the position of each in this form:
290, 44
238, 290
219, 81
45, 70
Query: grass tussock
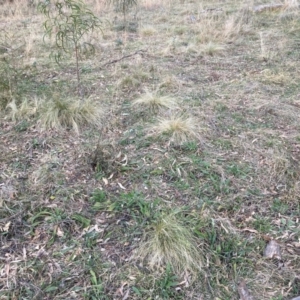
58, 113
148, 31
26, 109
170, 83
154, 102
70, 113
211, 49
272, 77
179, 128
170, 242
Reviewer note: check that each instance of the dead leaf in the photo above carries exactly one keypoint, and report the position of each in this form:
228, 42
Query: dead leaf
295, 244
119, 155
244, 292
59, 232
126, 295
6, 226
7, 268
24, 253
272, 250
250, 230
105, 180
124, 161
121, 186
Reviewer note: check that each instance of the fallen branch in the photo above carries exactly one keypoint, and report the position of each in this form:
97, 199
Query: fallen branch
123, 57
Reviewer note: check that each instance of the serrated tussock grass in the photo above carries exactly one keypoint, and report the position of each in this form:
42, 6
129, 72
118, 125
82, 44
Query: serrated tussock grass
26, 109
211, 48
179, 128
153, 101
64, 113
170, 242
58, 113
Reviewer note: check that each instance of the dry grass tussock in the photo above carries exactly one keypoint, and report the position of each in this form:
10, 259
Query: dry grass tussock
211, 48
170, 83
179, 128
58, 113
27, 109
280, 78
148, 31
169, 242
153, 102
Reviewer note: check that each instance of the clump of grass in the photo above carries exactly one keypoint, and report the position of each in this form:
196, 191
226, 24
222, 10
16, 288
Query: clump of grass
170, 242
232, 27
129, 82
154, 102
26, 109
169, 83
272, 77
65, 113
212, 48
148, 31
58, 113
180, 128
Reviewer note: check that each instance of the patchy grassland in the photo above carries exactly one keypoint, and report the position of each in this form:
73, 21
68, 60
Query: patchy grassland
172, 175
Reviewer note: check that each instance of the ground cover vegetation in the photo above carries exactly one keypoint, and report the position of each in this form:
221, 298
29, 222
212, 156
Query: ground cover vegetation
149, 149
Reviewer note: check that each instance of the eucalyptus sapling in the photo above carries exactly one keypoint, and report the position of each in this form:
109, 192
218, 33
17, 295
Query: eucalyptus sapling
69, 21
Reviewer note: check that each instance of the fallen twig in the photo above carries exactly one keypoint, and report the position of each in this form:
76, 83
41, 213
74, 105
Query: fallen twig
123, 57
